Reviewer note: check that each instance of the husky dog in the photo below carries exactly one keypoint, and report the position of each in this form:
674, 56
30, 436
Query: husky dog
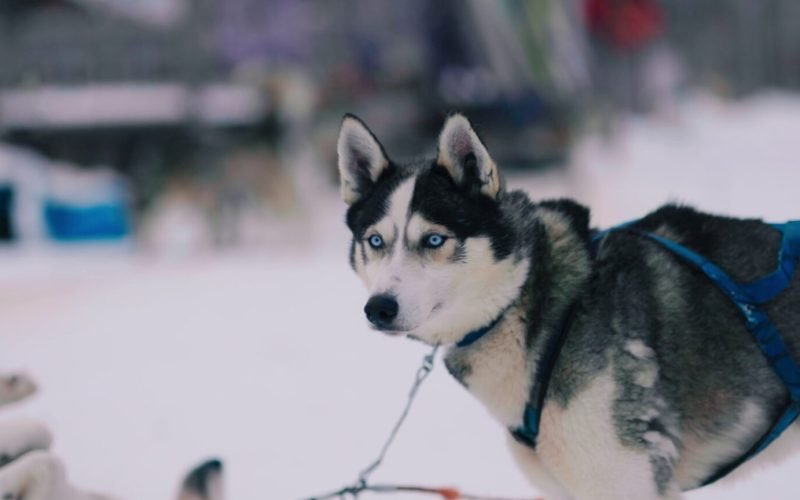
657, 384
29, 471
27, 468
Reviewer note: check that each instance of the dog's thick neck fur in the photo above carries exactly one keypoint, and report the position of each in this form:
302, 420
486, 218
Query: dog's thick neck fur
495, 368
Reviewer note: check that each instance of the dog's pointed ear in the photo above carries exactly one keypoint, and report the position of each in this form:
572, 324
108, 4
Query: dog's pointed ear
362, 159
466, 159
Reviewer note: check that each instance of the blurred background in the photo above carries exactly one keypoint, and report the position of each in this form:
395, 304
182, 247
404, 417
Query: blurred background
172, 249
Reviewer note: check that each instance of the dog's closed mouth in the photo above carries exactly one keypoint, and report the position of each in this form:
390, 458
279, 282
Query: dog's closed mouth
389, 332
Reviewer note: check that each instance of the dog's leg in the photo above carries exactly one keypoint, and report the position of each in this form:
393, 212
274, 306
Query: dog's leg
611, 442
535, 472
204, 482
39, 475
21, 436
603, 468
625, 476
15, 387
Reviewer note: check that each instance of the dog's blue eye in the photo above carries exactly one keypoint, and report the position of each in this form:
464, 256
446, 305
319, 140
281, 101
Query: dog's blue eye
375, 241
433, 240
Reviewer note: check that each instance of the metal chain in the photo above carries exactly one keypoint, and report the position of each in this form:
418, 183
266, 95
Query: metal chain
422, 374
362, 483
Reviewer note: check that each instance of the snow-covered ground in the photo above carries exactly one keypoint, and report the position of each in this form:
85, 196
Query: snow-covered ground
264, 359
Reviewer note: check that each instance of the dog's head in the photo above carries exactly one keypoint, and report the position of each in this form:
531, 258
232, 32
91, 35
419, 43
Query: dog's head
430, 240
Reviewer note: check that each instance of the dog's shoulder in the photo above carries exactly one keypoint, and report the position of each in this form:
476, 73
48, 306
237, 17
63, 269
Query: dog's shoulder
576, 214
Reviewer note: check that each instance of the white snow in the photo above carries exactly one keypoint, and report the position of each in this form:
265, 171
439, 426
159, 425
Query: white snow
147, 366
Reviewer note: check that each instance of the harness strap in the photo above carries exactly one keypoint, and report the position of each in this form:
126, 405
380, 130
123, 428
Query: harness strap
765, 333
745, 296
475, 335
528, 432
766, 288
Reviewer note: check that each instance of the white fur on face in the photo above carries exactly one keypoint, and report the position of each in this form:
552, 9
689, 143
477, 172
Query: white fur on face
439, 300
471, 293
377, 270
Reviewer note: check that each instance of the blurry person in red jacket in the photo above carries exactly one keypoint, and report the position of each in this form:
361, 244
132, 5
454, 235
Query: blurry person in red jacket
633, 70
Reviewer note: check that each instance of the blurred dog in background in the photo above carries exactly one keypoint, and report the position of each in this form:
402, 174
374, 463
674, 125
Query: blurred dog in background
30, 471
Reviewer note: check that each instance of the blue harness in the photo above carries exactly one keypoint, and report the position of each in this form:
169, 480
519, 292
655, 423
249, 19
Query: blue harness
746, 296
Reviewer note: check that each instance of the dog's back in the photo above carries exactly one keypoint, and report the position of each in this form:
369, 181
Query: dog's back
721, 394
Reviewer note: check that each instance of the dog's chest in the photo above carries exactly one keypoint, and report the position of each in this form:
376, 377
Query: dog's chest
496, 370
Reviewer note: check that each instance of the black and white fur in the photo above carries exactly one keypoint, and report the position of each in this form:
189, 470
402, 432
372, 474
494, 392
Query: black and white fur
658, 383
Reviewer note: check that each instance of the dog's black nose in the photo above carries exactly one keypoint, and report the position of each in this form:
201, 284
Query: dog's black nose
381, 310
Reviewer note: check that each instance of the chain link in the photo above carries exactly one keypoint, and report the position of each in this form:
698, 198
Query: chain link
422, 373
362, 482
